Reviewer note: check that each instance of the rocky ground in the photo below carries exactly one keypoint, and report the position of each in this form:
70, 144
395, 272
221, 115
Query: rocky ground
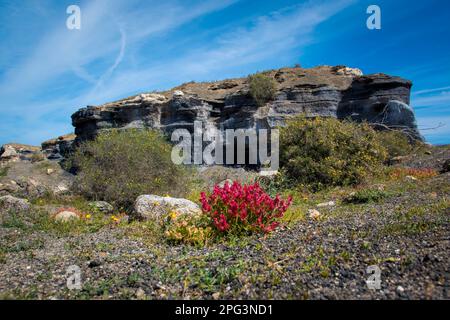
406, 234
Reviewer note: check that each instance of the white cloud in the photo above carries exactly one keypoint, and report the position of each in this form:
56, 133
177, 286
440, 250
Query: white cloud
268, 37
436, 99
104, 26
110, 29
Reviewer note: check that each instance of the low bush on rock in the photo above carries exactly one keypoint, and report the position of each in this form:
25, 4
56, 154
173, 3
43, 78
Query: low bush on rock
240, 208
118, 166
324, 152
262, 88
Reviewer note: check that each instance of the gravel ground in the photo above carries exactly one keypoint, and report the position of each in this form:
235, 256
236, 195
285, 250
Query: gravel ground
406, 235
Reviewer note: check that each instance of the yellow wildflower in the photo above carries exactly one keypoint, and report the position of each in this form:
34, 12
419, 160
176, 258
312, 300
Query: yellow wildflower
173, 215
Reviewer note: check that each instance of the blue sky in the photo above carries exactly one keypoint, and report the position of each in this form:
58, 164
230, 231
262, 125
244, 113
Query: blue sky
126, 46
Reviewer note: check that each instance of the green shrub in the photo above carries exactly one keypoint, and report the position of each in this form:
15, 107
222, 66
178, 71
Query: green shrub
323, 152
120, 165
273, 185
37, 157
262, 88
395, 142
366, 196
4, 171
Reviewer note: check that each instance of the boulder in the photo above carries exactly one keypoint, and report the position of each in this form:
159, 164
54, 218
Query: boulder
101, 206
65, 215
9, 187
31, 188
8, 152
10, 203
154, 207
398, 114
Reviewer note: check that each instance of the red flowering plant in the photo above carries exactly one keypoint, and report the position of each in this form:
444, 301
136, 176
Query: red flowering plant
239, 207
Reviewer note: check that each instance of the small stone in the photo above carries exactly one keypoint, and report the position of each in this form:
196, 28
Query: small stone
216, 295
396, 160
94, 263
50, 171
178, 94
60, 188
66, 215
101, 206
400, 290
314, 214
411, 178
268, 173
397, 251
140, 294
326, 204
222, 184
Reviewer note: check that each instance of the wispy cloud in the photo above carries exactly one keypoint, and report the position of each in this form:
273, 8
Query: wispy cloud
267, 37
105, 59
434, 97
105, 25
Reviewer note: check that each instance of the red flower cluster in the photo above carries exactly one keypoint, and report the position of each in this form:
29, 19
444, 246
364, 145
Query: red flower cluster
243, 206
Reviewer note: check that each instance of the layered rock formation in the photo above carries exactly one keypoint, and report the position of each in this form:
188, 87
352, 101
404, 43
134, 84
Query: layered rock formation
57, 149
322, 91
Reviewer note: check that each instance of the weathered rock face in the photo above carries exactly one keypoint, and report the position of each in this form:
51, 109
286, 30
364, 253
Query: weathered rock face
9, 202
322, 91
56, 149
12, 152
153, 207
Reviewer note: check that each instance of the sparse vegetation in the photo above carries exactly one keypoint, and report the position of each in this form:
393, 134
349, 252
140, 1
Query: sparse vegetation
118, 166
324, 152
241, 209
195, 230
396, 143
4, 171
37, 157
262, 88
418, 173
366, 196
